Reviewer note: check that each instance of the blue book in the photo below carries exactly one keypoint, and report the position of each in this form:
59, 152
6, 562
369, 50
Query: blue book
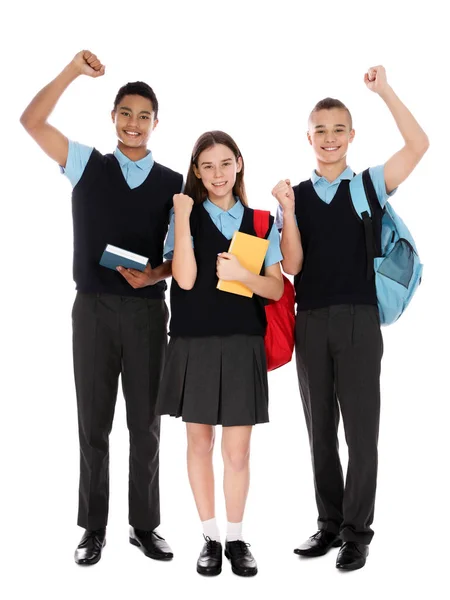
114, 257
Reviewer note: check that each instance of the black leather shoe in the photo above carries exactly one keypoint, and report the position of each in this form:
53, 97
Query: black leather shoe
210, 559
151, 544
89, 550
242, 561
352, 556
319, 544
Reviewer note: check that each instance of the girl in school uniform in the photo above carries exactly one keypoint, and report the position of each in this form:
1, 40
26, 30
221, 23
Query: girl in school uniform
215, 372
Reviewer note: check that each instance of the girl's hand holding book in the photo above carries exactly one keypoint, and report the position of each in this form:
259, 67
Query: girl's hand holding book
229, 268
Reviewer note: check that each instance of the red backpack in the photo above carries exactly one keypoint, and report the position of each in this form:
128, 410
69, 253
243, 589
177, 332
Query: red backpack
279, 338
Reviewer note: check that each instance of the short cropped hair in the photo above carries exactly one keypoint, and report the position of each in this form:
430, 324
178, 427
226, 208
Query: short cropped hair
328, 104
137, 88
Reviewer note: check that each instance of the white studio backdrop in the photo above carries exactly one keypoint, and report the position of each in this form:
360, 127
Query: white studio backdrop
254, 70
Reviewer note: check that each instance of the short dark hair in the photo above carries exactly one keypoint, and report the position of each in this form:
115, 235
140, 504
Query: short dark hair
137, 88
328, 104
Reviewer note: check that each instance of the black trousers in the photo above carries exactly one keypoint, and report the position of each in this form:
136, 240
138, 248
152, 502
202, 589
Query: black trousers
338, 352
112, 336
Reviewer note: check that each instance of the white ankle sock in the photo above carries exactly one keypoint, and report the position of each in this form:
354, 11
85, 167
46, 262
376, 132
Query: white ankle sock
211, 530
234, 531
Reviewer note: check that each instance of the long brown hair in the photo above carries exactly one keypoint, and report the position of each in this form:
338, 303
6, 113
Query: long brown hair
194, 186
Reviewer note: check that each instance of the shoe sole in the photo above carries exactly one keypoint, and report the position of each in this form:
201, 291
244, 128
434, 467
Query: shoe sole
94, 562
353, 566
308, 554
209, 572
247, 573
147, 553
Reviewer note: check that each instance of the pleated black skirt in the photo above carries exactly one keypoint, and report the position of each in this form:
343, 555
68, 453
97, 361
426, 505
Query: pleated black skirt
215, 380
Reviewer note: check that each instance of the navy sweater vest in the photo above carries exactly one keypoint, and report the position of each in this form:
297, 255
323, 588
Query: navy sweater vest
106, 211
335, 265
204, 310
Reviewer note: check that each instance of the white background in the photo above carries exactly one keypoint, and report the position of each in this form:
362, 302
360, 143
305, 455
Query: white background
254, 70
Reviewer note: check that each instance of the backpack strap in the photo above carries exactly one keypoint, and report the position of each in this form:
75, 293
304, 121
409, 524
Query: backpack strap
358, 195
363, 194
261, 222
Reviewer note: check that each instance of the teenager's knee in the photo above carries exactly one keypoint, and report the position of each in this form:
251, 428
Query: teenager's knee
201, 441
236, 459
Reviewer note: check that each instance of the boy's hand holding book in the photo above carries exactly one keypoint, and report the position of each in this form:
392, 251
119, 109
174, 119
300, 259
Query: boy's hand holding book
138, 279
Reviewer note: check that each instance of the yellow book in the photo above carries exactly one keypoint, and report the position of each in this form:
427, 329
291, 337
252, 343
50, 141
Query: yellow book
251, 251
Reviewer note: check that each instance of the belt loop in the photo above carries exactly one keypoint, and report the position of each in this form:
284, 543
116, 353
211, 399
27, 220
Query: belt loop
352, 309
309, 311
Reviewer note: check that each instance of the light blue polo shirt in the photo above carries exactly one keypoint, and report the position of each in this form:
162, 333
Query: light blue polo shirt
326, 190
134, 172
227, 222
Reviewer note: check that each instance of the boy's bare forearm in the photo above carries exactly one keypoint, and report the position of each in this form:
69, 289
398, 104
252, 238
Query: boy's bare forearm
412, 133
42, 105
291, 245
163, 271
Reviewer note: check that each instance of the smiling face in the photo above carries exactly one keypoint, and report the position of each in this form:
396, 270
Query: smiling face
218, 167
330, 132
134, 119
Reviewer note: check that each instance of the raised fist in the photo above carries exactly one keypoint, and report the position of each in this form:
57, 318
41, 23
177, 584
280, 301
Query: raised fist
284, 193
182, 204
375, 79
88, 64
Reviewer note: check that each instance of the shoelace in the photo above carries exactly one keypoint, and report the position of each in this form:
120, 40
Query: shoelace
94, 536
240, 547
350, 547
211, 545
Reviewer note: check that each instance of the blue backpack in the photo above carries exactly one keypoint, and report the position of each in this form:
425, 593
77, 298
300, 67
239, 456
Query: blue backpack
397, 269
